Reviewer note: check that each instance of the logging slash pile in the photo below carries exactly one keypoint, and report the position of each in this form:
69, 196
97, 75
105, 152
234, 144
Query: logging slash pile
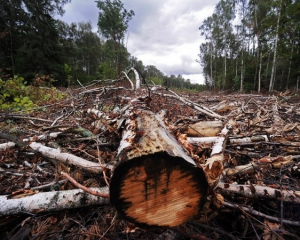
118, 161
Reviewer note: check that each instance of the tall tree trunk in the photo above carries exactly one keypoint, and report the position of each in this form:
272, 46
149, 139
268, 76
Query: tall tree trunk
259, 73
242, 72
211, 62
272, 79
258, 45
268, 66
290, 64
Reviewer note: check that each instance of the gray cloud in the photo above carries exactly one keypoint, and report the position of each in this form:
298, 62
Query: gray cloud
162, 33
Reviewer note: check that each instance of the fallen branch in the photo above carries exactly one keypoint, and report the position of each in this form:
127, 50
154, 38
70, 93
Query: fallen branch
52, 201
18, 142
89, 190
257, 191
67, 158
257, 213
195, 106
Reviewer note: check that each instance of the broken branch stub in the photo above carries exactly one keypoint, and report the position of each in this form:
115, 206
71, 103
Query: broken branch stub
155, 183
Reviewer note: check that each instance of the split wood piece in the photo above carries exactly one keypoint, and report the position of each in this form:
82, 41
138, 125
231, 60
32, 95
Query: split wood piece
214, 165
225, 106
67, 158
155, 183
203, 129
51, 201
257, 191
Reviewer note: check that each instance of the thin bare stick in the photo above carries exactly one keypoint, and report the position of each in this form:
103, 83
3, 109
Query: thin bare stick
257, 213
90, 191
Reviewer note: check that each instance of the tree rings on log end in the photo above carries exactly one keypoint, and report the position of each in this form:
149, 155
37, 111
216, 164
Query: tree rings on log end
158, 190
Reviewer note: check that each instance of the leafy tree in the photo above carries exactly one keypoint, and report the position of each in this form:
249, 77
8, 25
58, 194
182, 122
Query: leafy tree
113, 24
30, 42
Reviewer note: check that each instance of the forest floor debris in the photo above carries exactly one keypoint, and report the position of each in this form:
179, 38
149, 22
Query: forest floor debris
260, 162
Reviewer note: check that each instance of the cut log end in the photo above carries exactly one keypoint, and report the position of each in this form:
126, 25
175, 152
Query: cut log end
158, 190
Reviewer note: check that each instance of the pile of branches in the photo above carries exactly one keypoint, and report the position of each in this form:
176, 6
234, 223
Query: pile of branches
50, 159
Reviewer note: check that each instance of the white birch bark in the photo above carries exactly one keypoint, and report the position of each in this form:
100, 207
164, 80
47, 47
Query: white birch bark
272, 80
257, 191
67, 158
51, 201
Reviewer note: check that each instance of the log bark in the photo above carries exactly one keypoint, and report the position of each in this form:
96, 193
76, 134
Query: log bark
155, 183
51, 201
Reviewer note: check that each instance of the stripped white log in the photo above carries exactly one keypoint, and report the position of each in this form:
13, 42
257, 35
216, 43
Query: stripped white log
219, 144
214, 165
260, 138
258, 191
96, 112
42, 137
7, 145
51, 201
131, 83
206, 140
137, 78
232, 140
66, 158
4, 146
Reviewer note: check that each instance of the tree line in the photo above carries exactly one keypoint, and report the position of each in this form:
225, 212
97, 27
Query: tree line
33, 42
252, 45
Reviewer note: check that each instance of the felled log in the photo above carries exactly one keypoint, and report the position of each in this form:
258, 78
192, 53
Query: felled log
257, 191
214, 165
67, 158
50, 201
155, 183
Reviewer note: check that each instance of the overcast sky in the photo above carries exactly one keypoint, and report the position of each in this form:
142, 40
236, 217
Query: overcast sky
163, 33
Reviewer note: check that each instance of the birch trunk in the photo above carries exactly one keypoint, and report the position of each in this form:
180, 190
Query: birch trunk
51, 201
272, 79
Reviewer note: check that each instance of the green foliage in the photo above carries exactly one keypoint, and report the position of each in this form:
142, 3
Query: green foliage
239, 32
107, 71
16, 95
113, 23
113, 19
155, 80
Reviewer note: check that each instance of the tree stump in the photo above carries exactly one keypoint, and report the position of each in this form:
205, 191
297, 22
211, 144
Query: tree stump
156, 183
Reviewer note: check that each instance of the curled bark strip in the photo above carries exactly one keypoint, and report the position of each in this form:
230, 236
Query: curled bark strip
51, 201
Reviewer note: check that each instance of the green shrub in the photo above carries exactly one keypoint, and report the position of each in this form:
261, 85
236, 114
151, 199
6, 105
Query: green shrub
16, 95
